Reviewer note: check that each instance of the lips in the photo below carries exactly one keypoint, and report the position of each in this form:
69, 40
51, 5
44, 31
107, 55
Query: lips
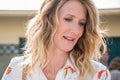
68, 38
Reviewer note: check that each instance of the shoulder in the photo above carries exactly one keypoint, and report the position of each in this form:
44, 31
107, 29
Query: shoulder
16, 61
14, 69
115, 72
97, 65
102, 72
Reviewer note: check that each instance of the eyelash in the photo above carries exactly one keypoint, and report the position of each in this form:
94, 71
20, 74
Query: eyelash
68, 19
80, 23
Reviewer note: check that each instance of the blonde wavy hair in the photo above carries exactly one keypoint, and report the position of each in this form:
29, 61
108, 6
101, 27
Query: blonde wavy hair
42, 28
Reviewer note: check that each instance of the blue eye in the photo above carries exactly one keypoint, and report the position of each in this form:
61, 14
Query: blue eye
67, 19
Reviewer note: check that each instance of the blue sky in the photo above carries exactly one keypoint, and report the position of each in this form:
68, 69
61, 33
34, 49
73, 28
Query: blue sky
35, 4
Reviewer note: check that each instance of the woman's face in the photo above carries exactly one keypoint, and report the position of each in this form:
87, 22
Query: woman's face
72, 20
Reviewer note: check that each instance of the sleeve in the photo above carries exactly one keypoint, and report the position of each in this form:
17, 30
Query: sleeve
115, 74
103, 73
14, 70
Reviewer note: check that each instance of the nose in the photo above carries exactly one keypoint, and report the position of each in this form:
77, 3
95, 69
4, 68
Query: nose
75, 28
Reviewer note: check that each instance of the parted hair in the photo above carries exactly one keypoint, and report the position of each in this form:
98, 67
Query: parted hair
41, 30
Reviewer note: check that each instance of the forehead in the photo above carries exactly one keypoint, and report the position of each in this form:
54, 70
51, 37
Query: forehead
73, 7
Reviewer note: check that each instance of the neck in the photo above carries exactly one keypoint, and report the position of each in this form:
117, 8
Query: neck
56, 59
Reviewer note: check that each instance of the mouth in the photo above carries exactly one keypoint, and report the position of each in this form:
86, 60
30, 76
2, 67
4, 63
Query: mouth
69, 38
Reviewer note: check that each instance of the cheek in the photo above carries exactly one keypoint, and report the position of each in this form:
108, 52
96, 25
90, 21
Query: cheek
61, 30
59, 33
81, 32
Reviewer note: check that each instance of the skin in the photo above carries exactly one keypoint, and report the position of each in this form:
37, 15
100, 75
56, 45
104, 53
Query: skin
72, 20
105, 57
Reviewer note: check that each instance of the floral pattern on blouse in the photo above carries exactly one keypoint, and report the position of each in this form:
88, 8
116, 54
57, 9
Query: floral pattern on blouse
8, 71
67, 68
68, 72
101, 72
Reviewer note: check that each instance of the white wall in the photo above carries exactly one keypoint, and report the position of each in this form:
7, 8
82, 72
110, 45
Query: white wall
11, 28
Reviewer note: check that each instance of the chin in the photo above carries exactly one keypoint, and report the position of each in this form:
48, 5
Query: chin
68, 49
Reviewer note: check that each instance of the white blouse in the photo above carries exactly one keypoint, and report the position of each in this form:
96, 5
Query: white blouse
68, 72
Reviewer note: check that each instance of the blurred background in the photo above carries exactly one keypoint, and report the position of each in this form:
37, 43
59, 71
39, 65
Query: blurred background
15, 14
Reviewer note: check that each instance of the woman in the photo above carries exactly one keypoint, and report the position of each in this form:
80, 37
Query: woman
114, 68
61, 44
